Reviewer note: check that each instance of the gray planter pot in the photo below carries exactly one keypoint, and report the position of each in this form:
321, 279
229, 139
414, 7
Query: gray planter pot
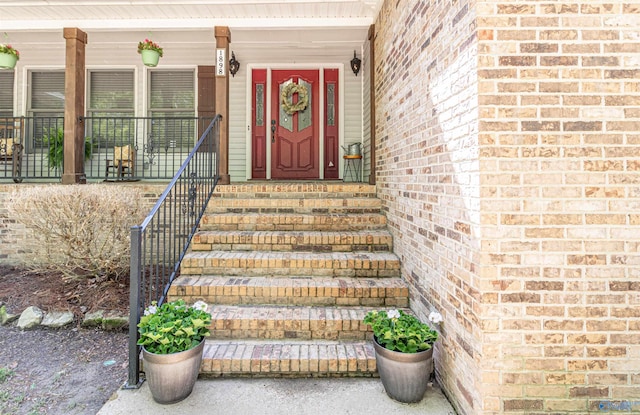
405, 376
171, 377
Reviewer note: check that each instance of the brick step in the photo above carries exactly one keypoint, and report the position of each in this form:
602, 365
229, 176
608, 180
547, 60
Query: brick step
294, 205
308, 241
288, 322
320, 190
245, 358
292, 222
372, 292
266, 263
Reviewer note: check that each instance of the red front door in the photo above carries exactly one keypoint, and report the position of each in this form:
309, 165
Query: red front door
295, 148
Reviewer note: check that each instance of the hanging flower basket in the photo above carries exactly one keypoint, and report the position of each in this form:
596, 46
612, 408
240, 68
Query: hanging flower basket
8, 57
150, 58
151, 52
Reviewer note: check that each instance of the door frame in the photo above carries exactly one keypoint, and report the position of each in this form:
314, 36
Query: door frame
270, 67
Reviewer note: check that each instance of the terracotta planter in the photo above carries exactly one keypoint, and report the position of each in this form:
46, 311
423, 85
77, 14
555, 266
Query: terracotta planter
405, 376
8, 60
150, 57
171, 377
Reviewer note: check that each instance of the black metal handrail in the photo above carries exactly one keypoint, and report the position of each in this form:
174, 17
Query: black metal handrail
160, 243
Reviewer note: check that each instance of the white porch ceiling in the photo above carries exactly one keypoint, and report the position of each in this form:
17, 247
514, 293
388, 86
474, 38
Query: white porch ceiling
30, 15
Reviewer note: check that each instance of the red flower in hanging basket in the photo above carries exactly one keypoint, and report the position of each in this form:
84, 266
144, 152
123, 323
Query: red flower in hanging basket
149, 45
11, 51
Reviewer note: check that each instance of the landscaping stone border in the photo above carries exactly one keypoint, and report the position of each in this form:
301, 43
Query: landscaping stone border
33, 317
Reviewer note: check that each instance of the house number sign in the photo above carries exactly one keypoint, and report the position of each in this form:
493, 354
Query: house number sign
221, 63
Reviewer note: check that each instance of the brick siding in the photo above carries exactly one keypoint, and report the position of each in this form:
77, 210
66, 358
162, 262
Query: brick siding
428, 173
517, 218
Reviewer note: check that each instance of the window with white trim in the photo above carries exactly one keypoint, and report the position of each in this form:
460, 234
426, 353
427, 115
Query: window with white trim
45, 104
172, 100
111, 107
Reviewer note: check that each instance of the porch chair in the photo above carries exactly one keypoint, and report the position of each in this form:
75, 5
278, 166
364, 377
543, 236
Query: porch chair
10, 130
123, 163
6, 149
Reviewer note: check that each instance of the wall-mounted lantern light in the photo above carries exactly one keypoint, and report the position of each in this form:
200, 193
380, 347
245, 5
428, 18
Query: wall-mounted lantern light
234, 65
355, 64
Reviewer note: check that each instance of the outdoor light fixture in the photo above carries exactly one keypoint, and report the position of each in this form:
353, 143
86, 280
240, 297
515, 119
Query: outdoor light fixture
234, 65
355, 64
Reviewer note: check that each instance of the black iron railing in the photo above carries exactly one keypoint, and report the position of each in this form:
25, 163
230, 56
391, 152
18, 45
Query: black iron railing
157, 146
159, 244
31, 147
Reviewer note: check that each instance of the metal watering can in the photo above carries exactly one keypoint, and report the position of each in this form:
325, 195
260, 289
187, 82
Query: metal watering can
352, 149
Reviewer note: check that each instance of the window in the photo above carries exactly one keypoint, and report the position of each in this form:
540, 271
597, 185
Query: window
111, 94
47, 93
111, 107
46, 104
6, 94
172, 98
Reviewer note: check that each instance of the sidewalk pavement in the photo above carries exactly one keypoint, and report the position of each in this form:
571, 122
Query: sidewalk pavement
335, 396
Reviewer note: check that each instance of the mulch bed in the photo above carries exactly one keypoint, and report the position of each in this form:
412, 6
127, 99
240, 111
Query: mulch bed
50, 291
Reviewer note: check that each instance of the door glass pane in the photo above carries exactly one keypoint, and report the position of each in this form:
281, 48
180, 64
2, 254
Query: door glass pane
286, 120
331, 105
259, 105
304, 117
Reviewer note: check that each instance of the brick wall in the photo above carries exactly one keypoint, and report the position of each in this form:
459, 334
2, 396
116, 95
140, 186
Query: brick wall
559, 134
14, 238
427, 172
517, 218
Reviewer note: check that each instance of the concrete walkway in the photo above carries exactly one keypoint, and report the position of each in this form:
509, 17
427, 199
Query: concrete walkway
280, 396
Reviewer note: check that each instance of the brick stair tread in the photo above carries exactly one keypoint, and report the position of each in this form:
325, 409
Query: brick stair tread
294, 221
267, 263
299, 202
376, 240
289, 322
295, 190
264, 205
353, 315
266, 358
335, 291
275, 255
340, 285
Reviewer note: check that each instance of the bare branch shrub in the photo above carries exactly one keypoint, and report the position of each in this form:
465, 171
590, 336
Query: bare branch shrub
79, 230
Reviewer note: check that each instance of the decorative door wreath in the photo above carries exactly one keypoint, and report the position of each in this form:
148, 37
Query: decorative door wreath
286, 98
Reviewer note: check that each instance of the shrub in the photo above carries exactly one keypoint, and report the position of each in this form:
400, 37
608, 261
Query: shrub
79, 230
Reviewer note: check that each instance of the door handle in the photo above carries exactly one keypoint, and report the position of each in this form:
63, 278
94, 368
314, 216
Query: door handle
273, 131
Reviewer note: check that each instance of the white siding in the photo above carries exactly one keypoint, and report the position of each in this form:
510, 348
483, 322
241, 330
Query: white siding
238, 129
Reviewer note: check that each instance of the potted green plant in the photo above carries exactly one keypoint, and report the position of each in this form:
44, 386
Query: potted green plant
172, 338
151, 52
404, 353
8, 56
55, 153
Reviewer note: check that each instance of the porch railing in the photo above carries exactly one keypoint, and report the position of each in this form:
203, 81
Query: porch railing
159, 244
27, 144
159, 146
